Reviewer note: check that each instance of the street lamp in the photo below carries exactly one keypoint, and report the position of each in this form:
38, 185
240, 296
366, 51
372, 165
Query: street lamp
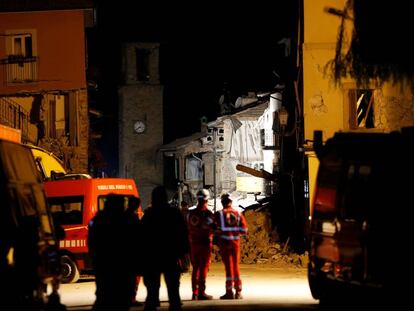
283, 117
214, 167
283, 120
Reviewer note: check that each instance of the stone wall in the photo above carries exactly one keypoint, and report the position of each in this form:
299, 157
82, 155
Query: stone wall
75, 158
81, 163
138, 157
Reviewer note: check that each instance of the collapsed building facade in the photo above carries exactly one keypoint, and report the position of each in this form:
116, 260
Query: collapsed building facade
226, 152
239, 153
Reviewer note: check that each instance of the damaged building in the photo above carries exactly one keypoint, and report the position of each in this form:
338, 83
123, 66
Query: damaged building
237, 153
43, 88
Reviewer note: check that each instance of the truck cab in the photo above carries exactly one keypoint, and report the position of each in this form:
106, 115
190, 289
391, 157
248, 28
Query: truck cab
362, 199
74, 200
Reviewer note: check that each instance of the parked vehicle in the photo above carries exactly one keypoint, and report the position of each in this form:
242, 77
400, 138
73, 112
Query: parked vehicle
47, 163
361, 216
29, 257
74, 199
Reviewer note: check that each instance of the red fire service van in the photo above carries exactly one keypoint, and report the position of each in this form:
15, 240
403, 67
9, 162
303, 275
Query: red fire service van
73, 202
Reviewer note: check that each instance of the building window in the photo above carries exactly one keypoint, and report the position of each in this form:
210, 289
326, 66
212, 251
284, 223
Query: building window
142, 64
193, 169
61, 115
361, 108
58, 116
22, 45
21, 60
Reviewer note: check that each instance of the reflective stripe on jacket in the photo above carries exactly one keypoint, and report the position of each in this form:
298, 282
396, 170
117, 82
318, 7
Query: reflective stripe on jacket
230, 224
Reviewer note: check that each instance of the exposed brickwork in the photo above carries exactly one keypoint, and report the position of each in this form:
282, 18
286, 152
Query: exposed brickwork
75, 158
82, 150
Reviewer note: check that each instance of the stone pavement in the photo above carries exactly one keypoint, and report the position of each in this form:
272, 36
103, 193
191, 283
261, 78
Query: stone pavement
263, 284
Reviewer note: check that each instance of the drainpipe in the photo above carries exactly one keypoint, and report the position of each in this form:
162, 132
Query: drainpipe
275, 105
177, 167
214, 168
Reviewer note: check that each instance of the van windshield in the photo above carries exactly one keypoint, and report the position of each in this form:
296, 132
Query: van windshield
18, 164
67, 210
102, 200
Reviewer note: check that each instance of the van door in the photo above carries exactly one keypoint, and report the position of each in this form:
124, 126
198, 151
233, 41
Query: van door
27, 230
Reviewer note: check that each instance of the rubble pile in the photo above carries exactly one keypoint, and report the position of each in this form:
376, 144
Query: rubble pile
262, 245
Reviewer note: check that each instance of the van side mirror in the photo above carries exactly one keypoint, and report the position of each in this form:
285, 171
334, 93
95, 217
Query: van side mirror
317, 142
60, 232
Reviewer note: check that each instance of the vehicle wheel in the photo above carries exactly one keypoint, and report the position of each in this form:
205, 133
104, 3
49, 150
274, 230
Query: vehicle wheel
315, 285
70, 272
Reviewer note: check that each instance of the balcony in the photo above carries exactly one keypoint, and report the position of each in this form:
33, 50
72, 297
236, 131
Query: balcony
20, 69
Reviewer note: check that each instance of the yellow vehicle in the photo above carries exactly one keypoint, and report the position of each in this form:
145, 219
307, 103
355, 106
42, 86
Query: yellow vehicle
46, 162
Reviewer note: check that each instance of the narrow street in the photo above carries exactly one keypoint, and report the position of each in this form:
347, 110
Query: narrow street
264, 288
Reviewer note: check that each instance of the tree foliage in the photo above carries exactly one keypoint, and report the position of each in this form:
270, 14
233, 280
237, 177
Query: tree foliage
380, 49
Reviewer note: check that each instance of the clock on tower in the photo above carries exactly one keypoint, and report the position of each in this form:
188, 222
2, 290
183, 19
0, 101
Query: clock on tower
139, 126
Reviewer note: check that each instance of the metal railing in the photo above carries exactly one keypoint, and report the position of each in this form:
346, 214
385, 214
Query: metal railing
13, 115
20, 69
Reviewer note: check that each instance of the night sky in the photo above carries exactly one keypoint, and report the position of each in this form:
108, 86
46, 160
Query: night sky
203, 46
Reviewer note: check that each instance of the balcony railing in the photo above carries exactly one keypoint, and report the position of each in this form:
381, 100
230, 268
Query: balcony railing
20, 69
13, 115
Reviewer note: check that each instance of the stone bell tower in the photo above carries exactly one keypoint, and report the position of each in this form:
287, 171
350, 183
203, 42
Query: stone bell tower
141, 117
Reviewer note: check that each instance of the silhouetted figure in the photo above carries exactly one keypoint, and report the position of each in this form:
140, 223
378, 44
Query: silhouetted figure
184, 208
230, 225
166, 240
112, 235
200, 222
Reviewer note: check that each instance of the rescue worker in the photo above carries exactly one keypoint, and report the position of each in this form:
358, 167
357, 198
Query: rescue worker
230, 226
200, 223
110, 236
166, 241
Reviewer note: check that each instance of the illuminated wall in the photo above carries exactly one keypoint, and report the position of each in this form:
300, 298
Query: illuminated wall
323, 104
58, 42
327, 106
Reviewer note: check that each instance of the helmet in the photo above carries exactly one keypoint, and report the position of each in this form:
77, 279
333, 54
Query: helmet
225, 199
203, 194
